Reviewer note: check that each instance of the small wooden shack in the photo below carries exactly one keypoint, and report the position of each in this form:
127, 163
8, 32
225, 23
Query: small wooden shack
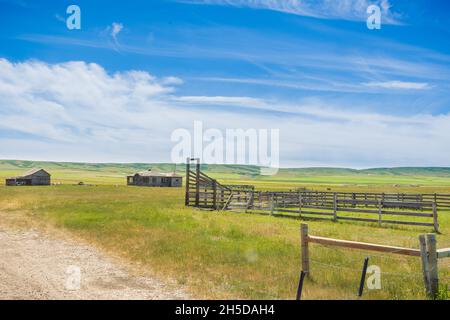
152, 178
34, 177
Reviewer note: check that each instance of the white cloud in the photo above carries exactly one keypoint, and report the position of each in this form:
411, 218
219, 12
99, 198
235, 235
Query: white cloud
399, 85
322, 9
77, 111
115, 29
172, 81
235, 101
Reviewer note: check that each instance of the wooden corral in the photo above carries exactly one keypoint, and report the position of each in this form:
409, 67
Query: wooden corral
34, 177
203, 191
381, 208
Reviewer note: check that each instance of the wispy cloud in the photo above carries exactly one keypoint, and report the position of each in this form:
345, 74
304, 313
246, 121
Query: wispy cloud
114, 31
325, 85
220, 100
355, 10
398, 85
280, 51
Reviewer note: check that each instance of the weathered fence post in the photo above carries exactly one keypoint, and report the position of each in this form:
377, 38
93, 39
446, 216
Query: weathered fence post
188, 170
435, 217
214, 185
424, 259
260, 201
305, 248
272, 203
300, 204
335, 206
380, 212
197, 184
432, 264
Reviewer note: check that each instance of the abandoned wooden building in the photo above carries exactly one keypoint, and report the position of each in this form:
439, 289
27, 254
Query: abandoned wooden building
34, 177
152, 178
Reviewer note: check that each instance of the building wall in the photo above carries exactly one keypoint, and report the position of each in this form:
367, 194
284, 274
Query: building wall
177, 182
155, 181
10, 182
40, 179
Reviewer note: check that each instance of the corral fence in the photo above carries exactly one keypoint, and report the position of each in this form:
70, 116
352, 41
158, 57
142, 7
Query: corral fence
380, 208
203, 191
427, 252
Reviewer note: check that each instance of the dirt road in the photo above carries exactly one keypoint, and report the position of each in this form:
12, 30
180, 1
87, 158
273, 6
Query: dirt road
33, 266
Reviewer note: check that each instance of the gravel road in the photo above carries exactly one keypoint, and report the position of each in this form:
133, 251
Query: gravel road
34, 266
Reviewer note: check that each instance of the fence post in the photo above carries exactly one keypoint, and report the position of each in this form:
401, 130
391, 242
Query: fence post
300, 286
300, 204
335, 206
260, 201
424, 259
433, 266
197, 184
188, 170
435, 217
380, 212
363, 277
214, 194
272, 205
304, 246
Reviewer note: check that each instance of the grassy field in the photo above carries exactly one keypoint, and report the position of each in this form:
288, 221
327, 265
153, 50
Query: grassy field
226, 254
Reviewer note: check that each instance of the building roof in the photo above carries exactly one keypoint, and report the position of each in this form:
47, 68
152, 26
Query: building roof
151, 173
29, 173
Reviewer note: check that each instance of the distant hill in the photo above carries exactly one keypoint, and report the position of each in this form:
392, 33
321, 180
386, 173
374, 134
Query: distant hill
241, 170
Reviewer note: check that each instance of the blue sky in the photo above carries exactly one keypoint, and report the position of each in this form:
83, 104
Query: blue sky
341, 94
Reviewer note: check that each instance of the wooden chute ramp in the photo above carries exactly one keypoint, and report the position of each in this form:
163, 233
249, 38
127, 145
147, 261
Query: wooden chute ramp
205, 192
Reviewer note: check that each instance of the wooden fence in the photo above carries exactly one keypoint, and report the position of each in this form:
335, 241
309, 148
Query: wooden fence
203, 191
336, 207
442, 200
381, 208
427, 251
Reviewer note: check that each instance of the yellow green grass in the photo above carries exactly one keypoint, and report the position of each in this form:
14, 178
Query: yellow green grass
226, 254
221, 254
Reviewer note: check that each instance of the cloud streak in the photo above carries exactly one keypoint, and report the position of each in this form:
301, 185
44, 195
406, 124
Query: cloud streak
353, 10
402, 85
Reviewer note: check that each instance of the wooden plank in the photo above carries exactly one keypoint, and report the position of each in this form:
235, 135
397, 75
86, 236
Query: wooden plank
305, 212
443, 253
397, 213
228, 201
435, 218
364, 246
410, 223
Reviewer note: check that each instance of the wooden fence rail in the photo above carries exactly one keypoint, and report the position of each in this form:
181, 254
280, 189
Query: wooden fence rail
427, 252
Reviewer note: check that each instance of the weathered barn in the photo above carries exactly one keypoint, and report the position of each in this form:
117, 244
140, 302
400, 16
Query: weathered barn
34, 177
154, 179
